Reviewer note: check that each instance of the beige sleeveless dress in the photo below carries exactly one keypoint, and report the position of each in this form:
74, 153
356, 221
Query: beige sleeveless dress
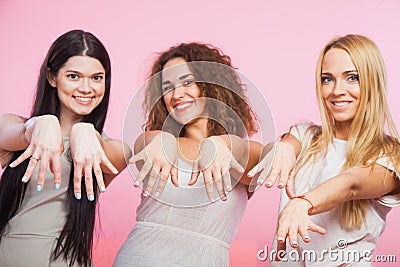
32, 233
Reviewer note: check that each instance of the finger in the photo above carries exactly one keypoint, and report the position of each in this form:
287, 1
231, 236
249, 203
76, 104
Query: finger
234, 164
136, 157
55, 167
266, 167
209, 185
283, 177
174, 174
195, 173
162, 182
226, 178
77, 180
290, 185
282, 233
280, 250
146, 168
218, 184
107, 163
43, 165
89, 182
25, 155
272, 177
98, 173
316, 228
29, 169
304, 234
293, 231
153, 177
256, 169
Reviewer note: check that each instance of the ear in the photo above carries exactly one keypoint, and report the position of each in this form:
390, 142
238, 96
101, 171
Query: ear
50, 78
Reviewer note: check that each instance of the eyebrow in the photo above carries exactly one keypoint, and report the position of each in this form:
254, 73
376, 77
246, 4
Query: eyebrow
345, 72
180, 78
77, 72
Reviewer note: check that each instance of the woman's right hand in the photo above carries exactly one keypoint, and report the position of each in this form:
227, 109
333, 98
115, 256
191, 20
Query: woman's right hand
283, 164
159, 161
43, 134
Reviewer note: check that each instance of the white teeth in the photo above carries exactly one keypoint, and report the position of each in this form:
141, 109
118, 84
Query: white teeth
83, 99
183, 106
340, 104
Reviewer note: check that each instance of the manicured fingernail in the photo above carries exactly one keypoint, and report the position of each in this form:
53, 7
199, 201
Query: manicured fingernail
57, 186
241, 169
39, 188
146, 193
212, 200
12, 164
280, 239
157, 194
280, 184
228, 188
24, 179
294, 243
90, 197
78, 195
258, 186
224, 198
115, 171
102, 189
306, 238
269, 183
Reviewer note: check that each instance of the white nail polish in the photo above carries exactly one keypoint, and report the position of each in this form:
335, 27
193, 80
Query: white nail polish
90, 197
57, 186
102, 189
24, 179
78, 196
157, 194
38, 188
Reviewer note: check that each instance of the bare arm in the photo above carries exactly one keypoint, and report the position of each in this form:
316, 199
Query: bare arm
354, 183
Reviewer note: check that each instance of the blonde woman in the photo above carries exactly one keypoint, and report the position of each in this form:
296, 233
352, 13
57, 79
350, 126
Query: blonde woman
346, 178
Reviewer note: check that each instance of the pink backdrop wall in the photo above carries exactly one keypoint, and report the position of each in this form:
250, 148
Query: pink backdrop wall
275, 43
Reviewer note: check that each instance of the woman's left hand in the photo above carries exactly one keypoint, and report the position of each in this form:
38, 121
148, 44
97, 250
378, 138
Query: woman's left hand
88, 155
294, 220
214, 161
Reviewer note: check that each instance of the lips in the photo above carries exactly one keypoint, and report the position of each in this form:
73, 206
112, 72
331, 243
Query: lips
340, 103
84, 100
182, 106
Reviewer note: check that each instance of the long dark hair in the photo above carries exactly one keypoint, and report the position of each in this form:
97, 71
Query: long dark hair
76, 239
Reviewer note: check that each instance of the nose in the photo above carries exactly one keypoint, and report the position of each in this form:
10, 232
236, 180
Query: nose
340, 87
179, 91
85, 86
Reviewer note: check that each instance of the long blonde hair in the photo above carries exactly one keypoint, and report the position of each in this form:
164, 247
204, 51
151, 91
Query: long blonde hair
367, 138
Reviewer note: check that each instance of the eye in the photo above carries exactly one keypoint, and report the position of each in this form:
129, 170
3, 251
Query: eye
187, 82
326, 79
73, 76
353, 78
97, 77
168, 88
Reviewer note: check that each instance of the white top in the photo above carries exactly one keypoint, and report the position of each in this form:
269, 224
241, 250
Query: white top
352, 247
182, 228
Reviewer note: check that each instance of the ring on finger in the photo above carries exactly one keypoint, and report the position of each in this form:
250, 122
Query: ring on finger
36, 159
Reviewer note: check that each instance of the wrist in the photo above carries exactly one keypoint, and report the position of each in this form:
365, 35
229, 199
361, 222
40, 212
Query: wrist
304, 202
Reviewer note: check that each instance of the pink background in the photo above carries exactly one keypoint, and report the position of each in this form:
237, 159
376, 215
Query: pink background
275, 43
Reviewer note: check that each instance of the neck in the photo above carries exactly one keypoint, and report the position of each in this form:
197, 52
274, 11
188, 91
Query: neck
197, 130
343, 130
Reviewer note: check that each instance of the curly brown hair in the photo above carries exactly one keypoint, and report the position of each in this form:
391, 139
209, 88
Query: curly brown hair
216, 78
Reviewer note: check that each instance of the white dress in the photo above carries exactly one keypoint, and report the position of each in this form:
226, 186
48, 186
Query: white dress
350, 248
181, 228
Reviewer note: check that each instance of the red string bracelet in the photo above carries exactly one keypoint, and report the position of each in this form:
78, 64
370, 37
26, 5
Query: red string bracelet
304, 198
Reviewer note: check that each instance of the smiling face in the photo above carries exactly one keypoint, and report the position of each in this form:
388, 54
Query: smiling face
80, 86
181, 94
340, 87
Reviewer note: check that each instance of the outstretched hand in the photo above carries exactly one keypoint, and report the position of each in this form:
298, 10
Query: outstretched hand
159, 161
294, 220
279, 163
43, 134
88, 156
214, 161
